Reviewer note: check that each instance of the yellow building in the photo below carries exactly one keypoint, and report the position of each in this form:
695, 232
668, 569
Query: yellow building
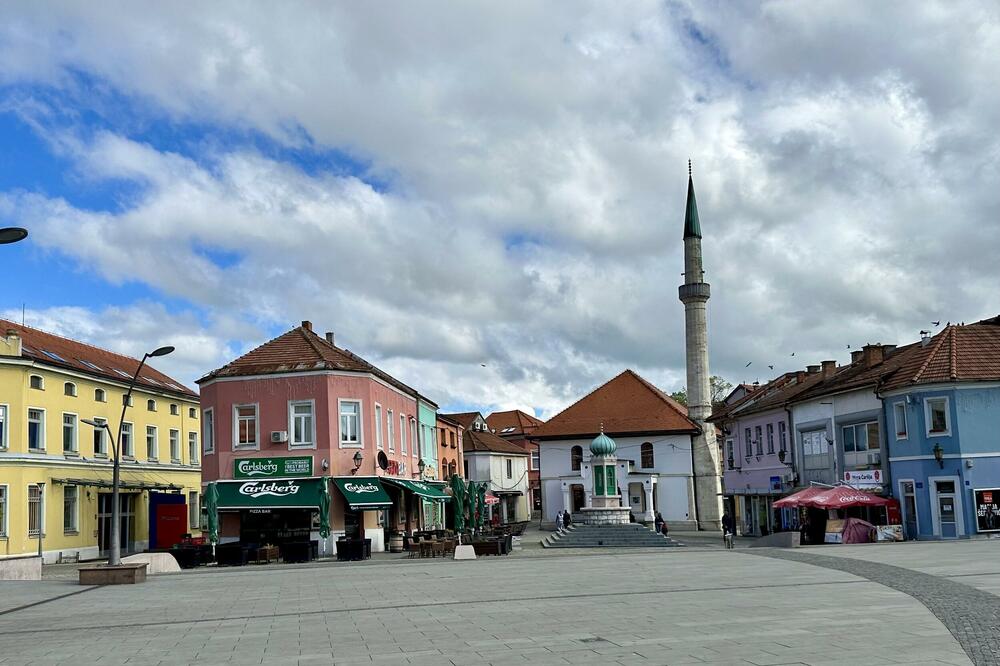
55, 470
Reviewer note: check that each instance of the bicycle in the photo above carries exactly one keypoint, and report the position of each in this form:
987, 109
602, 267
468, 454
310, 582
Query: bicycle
727, 538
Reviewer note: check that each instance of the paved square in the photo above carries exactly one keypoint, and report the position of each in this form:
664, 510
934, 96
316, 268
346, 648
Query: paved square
672, 606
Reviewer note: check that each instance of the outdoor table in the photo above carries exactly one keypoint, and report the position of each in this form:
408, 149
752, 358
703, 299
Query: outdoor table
231, 554
354, 550
266, 554
296, 551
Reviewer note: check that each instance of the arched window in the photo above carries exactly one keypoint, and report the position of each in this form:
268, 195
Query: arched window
69, 388
576, 458
100, 395
444, 468
647, 455
151, 405
174, 410
452, 469
36, 382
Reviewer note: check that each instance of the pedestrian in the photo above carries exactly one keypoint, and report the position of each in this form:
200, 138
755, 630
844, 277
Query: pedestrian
559, 522
658, 523
728, 529
567, 521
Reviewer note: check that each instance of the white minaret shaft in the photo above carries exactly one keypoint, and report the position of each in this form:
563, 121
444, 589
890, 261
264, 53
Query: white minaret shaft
694, 294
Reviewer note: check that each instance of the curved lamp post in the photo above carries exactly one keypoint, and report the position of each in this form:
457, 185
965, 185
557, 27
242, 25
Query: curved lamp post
12, 235
115, 556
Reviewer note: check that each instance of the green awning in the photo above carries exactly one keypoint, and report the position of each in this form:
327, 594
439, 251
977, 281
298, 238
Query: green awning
363, 492
283, 493
419, 488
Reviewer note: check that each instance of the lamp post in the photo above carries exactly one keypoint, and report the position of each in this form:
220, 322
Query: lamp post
421, 466
115, 556
358, 458
10, 235
939, 455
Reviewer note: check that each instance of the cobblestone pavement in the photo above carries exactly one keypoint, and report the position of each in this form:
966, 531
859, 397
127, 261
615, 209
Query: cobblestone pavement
674, 606
970, 614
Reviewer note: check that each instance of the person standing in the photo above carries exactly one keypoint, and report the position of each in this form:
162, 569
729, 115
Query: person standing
567, 521
658, 523
559, 522
728, 529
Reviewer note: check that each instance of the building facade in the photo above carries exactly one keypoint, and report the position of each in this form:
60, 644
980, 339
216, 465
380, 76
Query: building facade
517, 427
654, 442
55, 470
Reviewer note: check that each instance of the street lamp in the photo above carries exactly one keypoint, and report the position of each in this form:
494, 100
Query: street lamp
115, 556
421, 466
939, 455
12, 235
357, 462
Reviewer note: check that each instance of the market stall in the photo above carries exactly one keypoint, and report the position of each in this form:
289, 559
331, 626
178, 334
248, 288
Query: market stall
828, 516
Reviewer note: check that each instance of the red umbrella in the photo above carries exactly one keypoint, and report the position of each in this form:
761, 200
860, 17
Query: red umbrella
839, 497
798, 499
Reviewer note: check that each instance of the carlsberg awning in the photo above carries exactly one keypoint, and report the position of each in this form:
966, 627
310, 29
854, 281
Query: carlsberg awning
420, 489
265, 493
363, 492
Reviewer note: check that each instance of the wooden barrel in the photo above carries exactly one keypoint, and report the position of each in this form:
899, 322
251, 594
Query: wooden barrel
396, 543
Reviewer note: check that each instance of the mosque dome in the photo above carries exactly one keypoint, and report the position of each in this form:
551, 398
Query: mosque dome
603, 445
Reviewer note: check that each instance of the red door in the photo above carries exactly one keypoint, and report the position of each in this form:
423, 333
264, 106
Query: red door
171, 524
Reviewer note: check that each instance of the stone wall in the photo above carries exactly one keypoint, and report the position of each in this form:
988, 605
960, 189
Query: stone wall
21, 568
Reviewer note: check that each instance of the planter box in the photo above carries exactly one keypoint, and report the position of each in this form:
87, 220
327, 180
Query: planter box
126, 574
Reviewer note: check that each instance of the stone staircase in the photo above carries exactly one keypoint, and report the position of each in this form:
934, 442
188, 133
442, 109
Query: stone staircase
632, 535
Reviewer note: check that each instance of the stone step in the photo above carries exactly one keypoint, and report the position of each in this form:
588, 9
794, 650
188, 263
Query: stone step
631, 535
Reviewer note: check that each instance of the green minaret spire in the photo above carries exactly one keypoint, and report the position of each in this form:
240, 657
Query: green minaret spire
692, 227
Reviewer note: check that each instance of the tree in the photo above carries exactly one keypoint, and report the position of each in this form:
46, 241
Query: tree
718, 386
680, 396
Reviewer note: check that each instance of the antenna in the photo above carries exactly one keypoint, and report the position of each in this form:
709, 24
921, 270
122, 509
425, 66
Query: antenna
22, 314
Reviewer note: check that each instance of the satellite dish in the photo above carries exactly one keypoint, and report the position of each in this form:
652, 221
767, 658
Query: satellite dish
383, 460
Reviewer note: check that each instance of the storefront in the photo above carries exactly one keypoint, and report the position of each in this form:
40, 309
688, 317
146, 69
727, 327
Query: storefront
422, 503
269, 511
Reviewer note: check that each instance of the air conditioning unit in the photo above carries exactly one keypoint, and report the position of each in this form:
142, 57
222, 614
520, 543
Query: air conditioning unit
279, 436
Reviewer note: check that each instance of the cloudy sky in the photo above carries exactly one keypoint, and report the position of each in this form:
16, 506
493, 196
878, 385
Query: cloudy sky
447, 185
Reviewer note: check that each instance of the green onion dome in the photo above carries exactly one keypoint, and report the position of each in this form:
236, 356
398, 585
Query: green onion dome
603, 445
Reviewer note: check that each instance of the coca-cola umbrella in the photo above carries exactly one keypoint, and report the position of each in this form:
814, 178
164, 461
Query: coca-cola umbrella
212, 509
799, 498
838, 497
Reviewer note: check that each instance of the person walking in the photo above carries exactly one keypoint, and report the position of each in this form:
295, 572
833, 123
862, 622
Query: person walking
728, 529
559, 522
567, 521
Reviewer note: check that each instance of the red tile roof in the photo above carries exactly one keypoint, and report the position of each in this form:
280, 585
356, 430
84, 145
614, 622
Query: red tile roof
464, 419
59, 352
958, 353
481, 440
513, 423
627, 404
300, 350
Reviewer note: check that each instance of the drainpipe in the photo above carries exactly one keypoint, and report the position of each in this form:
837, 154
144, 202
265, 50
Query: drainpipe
885, 420
792, 448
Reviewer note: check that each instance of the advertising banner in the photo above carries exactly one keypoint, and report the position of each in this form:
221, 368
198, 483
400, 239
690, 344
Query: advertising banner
265, 493
987, 515
272, 468
868, 478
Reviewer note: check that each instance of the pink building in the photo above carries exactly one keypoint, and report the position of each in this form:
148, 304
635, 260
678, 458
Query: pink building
299, 412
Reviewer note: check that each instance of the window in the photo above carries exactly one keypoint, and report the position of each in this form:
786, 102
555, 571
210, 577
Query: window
36, 429
194, 510
174, 410
245, 432
389, 430
465, 468
175, 446
759, 439
91, 365
937, 416
100, 438
71, 509
451, 438
350, 423
378, 426
100, 395
54, 356
192, 413
782, 436
126, 399
3, 426
69, 440
646, 455
36, 382
510, 468
770, 438
861, 444
899, 416
730, 461
152, 445
536, 459
3, 511
127, 444
303, 430
815, 450
151, 405
414, 444
35, 517
69, 388
402, 434
123, 373
192, 448
575, 458
208, 431
442, 438
748, 442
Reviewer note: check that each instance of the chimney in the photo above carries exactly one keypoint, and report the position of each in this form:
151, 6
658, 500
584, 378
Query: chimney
856, 355
829, 367
887, 351
812, 369
925, 338
306, 324
13, 343
872, 355
800, 375
329, 338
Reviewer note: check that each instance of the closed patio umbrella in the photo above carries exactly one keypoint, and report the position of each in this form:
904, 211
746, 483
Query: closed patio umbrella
324, 512
212, 508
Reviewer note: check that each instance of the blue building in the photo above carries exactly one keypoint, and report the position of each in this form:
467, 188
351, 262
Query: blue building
942, 415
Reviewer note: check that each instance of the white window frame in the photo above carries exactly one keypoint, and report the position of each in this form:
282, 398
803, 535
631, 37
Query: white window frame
41, 510
782, 436
194, 510
175, 409
292, 404
103, 433
76, 434
4, 426
415, 442
193, 413
193, 447
5, 512
41, 429
208, 428
174, 436
72, 389
340, 415
131, 440
510, 468
150, 405
75, 527
156, 443
947, 416
236, 427
390, 430
897, 409
536, 458
402, 434
100, 395
379, 444
769, 430
730, 460
41, 382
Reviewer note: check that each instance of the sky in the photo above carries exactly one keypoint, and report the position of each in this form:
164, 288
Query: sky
486, 199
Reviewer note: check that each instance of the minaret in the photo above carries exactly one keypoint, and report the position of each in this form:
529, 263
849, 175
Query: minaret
694, 294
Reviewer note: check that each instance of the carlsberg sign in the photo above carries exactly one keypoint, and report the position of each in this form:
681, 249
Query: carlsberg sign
273, 493
272, 468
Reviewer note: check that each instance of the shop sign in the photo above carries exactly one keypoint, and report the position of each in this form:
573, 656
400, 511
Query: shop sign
987, 513
272, 468
869, 478
265, 493
775, 483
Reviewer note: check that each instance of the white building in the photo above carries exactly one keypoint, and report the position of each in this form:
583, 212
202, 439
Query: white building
654, 438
